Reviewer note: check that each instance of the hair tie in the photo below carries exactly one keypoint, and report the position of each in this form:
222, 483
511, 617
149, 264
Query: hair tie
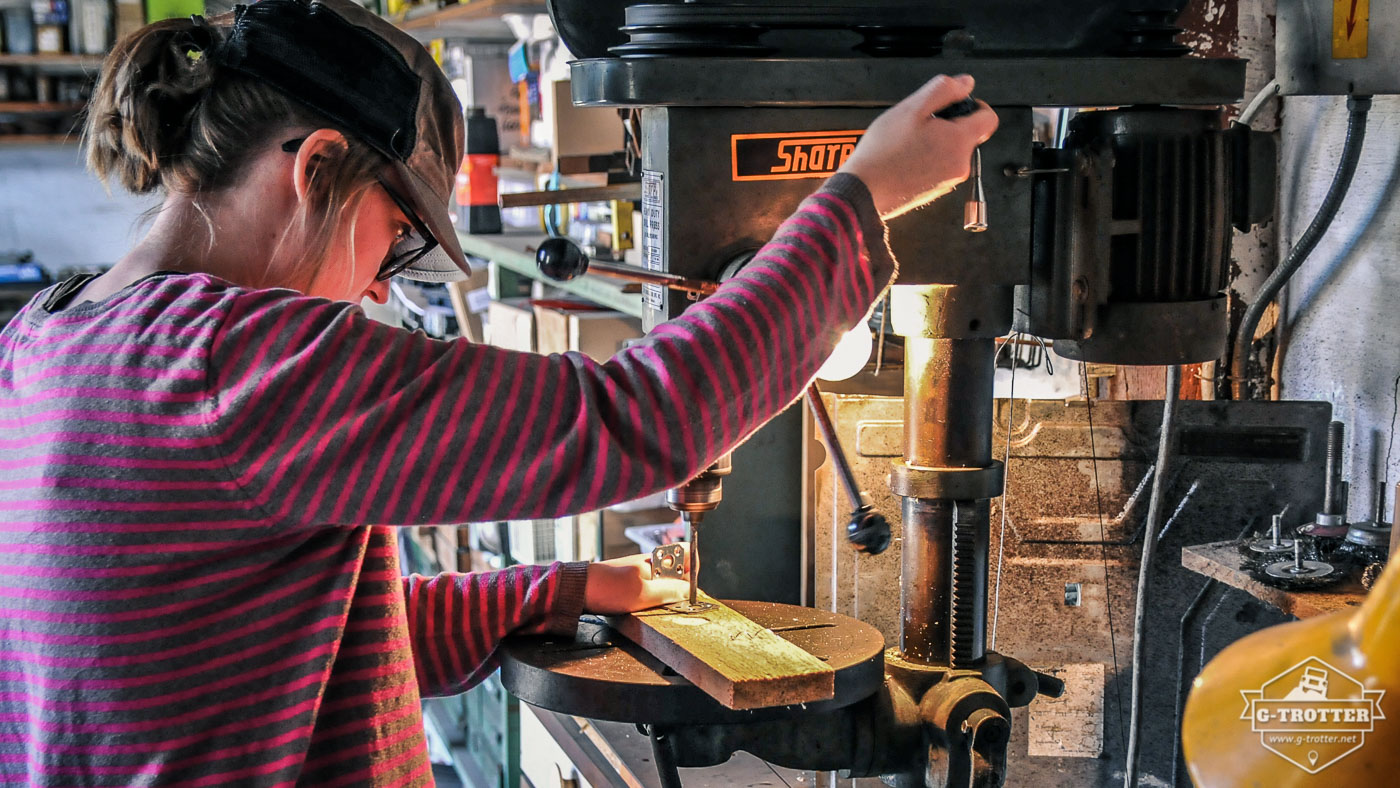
203, 40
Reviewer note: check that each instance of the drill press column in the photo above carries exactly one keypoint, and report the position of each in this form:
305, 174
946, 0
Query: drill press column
947, 475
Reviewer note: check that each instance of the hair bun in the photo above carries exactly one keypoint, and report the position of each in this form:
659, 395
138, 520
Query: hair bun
146, 98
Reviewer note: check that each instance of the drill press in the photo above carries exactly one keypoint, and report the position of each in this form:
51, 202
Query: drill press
693, 500
1113, 242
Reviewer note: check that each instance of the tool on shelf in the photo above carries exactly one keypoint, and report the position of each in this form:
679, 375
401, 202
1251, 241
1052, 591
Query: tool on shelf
1298, 573
1272, 545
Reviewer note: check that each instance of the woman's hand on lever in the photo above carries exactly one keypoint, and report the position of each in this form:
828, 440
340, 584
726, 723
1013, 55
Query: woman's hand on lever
908, 157
625, 585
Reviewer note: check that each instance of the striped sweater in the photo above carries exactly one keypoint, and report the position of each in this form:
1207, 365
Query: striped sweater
195, 588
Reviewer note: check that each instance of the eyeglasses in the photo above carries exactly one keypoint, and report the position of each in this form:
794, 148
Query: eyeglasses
407, 250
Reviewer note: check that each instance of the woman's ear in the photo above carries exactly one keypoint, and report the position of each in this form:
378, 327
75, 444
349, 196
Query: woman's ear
321, 147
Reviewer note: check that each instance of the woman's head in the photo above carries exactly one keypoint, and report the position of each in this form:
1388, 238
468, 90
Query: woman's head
203, 110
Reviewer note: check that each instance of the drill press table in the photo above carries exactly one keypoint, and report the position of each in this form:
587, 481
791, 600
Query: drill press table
598, 674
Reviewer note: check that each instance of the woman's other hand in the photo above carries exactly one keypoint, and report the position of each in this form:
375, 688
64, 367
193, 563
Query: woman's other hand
625, 585
907, 157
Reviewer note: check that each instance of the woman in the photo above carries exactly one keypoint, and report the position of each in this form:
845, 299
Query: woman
197, 443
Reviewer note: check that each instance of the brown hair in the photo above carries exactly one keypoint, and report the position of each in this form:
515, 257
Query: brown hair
164, 114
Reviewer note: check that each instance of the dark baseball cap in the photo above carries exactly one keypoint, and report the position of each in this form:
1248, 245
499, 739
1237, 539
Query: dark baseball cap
373, 81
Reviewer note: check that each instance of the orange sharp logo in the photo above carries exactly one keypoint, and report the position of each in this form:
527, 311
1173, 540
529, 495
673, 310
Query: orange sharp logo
789, 155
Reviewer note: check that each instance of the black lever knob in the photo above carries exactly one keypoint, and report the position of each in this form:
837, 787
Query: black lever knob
868, 531
957, 109
561, 259
1049, 686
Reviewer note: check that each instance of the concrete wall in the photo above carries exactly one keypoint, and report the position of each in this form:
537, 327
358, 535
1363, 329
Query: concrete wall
50, 204
1341, 317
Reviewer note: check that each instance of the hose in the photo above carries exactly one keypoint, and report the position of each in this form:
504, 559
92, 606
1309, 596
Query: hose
1149, 543
1357, 107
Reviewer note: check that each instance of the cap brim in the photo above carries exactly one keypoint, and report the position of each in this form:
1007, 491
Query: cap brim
446, 262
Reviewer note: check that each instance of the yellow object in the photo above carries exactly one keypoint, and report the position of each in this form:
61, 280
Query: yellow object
435, 49
1305, 704
1351, 28
622, 224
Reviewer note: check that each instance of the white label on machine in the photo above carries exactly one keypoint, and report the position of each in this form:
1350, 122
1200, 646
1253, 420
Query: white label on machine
651, 234
1070, 726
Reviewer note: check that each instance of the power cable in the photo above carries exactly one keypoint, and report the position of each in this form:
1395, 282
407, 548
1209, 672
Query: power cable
1357, 107
1149, 544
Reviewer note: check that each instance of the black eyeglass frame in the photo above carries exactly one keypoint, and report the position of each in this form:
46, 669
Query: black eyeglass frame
396, 263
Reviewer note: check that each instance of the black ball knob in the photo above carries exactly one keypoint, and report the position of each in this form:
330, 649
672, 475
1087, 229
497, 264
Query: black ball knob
868, 532
561, 259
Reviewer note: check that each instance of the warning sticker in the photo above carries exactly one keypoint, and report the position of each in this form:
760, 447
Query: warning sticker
1351, 28
652, 216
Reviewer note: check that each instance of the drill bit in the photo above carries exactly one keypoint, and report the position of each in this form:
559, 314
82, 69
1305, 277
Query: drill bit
692, 522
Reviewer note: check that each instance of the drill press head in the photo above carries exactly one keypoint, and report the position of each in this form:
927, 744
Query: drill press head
702, 494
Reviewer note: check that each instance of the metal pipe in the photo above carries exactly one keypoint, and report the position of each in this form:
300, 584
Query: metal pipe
634, 274
1332, 484
663, 752
947, 424
926, 593
948, 402
832, 443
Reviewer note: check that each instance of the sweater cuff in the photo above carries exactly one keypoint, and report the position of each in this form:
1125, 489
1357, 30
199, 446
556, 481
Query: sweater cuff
873, 229
568, 598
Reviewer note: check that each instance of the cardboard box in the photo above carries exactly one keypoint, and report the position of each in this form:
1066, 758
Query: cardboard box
596, 333
579, 131
471, 299
511, 324
614, 525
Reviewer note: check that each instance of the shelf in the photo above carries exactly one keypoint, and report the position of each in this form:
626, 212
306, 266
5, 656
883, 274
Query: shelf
1221, 561
38, 107
424, 17
516, 252
78, 63
478, 20
39, 139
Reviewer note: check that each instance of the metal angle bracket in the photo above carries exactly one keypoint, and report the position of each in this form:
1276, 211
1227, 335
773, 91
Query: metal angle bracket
668, 560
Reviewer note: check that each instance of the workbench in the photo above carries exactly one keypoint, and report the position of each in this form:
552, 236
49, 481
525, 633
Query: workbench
514, 251
1221, 561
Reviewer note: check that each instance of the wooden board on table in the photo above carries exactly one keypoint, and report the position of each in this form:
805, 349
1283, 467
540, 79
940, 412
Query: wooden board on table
1222, 561
737, 662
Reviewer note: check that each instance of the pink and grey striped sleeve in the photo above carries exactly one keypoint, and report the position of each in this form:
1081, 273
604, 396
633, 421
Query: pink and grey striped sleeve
456, 621
323, 416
